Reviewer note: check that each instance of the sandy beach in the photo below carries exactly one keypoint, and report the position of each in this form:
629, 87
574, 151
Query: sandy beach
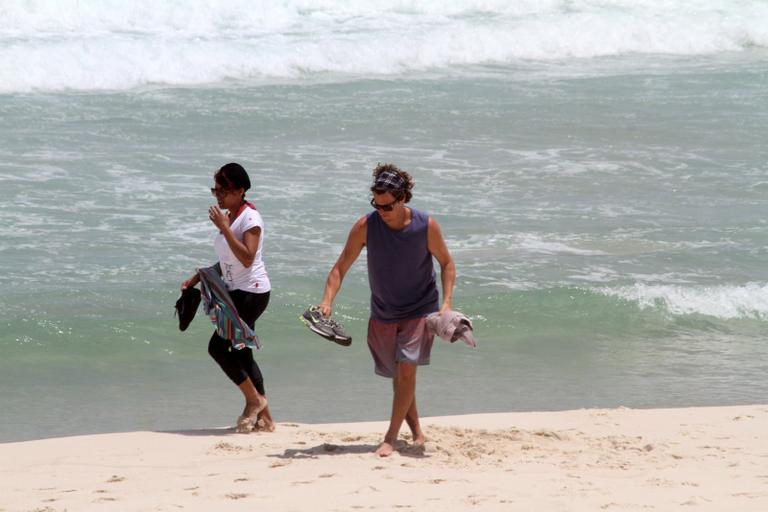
713, 458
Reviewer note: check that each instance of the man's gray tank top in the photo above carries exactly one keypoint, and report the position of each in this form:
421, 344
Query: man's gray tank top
400, 269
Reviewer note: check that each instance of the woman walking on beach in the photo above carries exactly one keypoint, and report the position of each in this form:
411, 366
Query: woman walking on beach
239, 248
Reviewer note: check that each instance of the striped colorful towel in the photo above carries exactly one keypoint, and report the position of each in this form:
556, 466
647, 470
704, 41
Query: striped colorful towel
219, 307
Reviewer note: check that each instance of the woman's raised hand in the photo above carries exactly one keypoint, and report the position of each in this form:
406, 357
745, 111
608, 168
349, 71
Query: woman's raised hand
218, 217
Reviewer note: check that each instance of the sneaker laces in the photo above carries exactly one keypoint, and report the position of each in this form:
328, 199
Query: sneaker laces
314, 312
324, 319
332, 323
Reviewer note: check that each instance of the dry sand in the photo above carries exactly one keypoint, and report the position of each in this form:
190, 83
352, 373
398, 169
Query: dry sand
697, 459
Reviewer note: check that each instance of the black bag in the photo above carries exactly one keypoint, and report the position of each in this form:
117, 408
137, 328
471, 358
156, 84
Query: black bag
186, 306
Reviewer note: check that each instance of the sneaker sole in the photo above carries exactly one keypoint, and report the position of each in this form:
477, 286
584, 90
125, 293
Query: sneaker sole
345, 342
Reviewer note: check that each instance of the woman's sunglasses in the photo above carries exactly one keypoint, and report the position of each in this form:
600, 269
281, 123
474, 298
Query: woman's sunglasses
383, 207
218, 191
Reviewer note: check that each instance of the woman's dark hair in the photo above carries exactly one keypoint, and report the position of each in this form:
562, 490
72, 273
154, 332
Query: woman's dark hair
398, 194
232, 176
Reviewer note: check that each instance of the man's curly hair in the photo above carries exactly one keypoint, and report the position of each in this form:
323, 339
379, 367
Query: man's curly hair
405, 192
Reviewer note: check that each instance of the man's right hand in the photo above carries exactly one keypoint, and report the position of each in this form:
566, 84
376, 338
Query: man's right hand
325, 309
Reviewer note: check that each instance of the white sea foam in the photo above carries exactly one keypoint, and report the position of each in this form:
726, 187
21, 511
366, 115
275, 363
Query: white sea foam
596, 274
726, 302
94, 45
536, 244
42, 173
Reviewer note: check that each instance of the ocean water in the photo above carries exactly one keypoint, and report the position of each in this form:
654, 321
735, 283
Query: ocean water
599, 170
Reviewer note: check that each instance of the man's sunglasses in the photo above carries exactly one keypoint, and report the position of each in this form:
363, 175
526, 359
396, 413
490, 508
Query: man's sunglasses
383, 207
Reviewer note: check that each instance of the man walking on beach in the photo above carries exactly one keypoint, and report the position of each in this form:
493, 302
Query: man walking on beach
401, 242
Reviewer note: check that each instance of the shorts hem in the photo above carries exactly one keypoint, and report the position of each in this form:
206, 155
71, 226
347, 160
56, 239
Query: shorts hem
417, 363
387, 375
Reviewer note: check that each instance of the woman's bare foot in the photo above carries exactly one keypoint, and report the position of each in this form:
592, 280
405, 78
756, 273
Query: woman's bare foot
254, 407
265, 426
247, 421
264, 421
244, 425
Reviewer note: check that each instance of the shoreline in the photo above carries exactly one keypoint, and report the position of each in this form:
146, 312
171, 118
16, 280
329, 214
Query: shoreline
707, 458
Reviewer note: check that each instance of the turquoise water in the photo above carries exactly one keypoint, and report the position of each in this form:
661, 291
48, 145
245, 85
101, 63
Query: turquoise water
607, 215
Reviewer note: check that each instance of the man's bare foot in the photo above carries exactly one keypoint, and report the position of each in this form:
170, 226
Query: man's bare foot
385, 449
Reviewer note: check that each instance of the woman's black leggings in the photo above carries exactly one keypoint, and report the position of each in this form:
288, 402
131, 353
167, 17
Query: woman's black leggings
239, 364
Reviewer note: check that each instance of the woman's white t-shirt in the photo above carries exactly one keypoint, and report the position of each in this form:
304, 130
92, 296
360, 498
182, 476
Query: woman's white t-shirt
235, 275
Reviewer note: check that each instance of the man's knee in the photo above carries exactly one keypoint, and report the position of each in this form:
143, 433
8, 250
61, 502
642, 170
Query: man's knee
405, 371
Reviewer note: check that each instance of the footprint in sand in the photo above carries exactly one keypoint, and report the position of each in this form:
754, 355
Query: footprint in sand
694, 501
231, 448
